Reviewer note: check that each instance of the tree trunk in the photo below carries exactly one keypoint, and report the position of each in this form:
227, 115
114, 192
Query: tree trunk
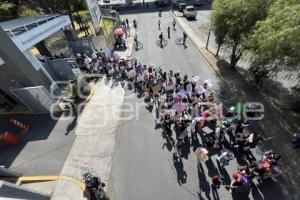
15, 9
219, 47
234, 58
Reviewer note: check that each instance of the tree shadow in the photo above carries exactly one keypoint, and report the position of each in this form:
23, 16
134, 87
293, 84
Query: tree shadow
270, 189
255, 193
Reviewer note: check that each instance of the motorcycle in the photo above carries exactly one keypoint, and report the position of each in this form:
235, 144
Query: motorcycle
94, 187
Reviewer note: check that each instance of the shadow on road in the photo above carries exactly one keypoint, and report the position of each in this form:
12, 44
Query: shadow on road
203, 183
181, 174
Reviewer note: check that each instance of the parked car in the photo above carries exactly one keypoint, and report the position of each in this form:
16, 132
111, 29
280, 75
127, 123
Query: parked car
190, 12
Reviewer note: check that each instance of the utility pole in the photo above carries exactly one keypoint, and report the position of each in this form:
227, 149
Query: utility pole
208, 37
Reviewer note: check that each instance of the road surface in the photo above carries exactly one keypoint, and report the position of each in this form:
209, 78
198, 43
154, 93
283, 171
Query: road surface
143, 166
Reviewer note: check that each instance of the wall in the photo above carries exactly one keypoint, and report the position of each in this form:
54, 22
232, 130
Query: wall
17, 67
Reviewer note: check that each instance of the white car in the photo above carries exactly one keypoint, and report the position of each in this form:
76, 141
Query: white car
190, 12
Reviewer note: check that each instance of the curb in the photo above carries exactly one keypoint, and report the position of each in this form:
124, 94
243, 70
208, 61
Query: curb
91, 93
30, 179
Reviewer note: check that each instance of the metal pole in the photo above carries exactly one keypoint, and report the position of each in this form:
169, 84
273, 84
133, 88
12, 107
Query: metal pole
208, 37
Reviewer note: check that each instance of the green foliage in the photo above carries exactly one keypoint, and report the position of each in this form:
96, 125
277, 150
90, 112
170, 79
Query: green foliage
26, 12
233, 21
278, 36
57, 5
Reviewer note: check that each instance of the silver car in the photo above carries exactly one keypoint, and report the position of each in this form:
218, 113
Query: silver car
190, 12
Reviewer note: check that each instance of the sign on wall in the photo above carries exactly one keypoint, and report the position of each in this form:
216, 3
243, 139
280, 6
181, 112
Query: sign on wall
95, 12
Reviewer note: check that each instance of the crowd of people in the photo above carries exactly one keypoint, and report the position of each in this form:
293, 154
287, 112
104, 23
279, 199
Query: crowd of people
189, 108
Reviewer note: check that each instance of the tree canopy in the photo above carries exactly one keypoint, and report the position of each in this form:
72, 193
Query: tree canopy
17, 8
278, 36
233, 21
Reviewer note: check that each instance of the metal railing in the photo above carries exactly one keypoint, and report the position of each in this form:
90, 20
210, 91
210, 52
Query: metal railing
14, 31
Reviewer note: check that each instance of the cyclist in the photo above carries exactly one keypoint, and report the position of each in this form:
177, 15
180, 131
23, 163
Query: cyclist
158, 24
161, 37
135, 41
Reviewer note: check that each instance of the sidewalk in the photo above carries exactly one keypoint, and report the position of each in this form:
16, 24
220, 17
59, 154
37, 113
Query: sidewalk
94, 144
277, 123
95, 140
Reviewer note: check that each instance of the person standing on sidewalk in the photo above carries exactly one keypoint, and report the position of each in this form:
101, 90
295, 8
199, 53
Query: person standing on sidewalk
158, 24
168, 30
174, 24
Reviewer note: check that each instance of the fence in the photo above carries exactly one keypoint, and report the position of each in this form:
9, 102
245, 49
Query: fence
88, 44
62, 69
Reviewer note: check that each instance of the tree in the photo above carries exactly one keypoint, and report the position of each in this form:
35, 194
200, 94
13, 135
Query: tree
233, 21
277, 38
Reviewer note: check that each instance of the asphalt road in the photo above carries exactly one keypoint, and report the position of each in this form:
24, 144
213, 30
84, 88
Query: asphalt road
143, 166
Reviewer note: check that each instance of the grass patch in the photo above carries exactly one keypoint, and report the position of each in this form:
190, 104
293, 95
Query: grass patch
107, 26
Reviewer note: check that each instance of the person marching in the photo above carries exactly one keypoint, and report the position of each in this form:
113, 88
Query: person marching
174, 24
184, 38
158, 24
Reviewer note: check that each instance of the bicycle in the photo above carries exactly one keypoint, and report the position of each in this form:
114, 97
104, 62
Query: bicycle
163, 44
179, 41
138, 45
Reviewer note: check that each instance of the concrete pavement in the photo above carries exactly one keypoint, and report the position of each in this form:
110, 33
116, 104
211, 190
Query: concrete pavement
95, 139
45, 140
